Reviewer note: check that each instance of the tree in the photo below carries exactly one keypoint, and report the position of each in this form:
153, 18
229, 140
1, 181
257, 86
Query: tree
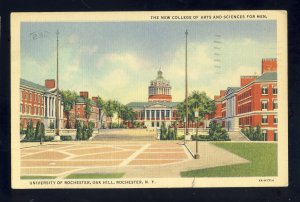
69, 99
78, 130
37, 131
88, 108
29, 131
42, 130
109, 110
197, 102
100, 103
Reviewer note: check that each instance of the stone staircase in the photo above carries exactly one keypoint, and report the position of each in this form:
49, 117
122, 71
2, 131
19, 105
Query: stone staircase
237, 136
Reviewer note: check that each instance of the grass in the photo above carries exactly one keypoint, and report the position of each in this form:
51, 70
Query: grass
262, 157
37, 177
94, 175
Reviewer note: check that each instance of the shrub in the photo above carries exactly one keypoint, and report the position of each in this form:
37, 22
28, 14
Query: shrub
217, 133
51, 125
66, 137
254, 134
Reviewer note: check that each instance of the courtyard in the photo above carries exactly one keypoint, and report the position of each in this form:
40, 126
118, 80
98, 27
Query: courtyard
126, 159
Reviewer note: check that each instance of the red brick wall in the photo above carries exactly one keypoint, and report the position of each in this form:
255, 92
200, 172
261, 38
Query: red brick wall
50, 83
30, 102
246, 80
269, 65
166, 98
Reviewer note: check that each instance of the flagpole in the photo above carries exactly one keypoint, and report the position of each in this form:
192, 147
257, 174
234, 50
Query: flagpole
186, 90
57, 94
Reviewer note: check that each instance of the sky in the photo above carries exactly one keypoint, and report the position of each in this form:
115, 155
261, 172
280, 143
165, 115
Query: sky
117, 60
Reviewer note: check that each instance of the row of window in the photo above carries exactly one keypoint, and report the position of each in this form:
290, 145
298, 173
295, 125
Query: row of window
32, 110
244, 95
245, 121
264, 104
157, 113
265, 133
245, 108
264, 90
29, 96
248, 120
265, 119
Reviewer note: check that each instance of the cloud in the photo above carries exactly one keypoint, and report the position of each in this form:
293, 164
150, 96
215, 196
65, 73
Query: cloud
89, 49
119, 60
72, 39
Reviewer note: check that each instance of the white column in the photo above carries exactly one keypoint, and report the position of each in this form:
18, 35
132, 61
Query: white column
44, 105
53, 107
48, 106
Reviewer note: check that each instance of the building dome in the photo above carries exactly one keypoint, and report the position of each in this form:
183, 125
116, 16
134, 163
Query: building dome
160, 89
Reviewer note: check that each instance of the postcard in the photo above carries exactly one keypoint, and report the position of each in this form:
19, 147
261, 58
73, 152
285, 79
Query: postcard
149, 99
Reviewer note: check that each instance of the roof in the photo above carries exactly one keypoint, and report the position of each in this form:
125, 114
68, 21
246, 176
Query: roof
148, 104
220, 99
268, 76
32, 85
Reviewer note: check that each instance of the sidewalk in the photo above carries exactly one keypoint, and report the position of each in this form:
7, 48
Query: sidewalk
210, 156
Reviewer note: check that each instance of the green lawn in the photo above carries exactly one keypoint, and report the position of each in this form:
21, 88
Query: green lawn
94, 175
262, 157
37, 177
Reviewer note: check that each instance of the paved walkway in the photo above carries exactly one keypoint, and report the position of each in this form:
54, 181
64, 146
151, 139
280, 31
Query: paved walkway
134, 158
237, 136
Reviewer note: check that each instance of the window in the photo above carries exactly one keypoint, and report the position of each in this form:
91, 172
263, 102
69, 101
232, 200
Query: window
275, 119
29, 96
148, 114
275, 135
264, 90
152, 123
157, 114
264, 105
274, 90
167, 113
162, 114
265, 134
152, 114
275, 104
264, 119
157, 124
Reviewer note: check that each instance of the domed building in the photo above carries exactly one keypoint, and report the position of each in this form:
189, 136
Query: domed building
159, 107
160, 89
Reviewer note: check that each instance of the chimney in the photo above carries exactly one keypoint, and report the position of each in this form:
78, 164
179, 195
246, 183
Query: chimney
50, 83
222, 93
247, 79
95, 99
216, 97
268, 65
84, 94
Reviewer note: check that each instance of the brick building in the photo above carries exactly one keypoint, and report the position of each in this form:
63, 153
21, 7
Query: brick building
253, 103
78, 111
37, 103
